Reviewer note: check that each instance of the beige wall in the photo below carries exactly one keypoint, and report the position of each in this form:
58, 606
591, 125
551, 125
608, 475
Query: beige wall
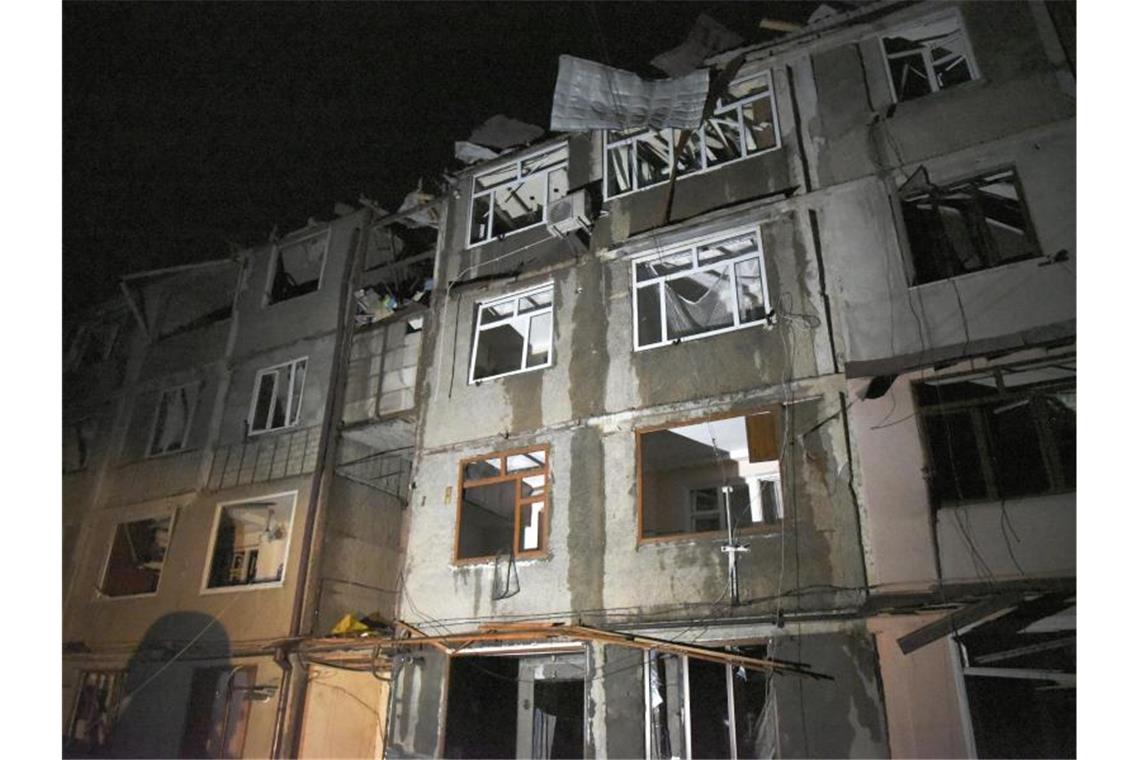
346, 714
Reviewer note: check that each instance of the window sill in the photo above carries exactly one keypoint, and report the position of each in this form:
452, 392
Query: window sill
243, 587
892, 110
682, 177
1037, 257
481, 380
711, 536
769, 322
527, 559
100, 597
258, 433
165, 455
1013, 500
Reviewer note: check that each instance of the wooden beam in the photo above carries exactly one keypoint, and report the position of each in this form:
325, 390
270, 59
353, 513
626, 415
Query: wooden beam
960, 618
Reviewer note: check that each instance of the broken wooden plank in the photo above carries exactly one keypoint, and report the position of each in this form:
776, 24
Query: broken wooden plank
960, 618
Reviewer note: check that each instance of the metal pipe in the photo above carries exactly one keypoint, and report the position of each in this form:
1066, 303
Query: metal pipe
282, 660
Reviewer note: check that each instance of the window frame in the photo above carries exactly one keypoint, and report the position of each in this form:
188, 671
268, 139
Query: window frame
518, 180
520, 501
118, 681
907, 247
205, 587
971, 61
289, 411
693, 245
697, 137
516, 297
719, 534
100, 594
1047, 447
150, 452
274, 262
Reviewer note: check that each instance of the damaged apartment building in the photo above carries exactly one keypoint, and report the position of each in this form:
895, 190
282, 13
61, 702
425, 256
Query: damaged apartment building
733, 417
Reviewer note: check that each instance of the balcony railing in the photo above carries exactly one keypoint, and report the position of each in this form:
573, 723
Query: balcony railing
265, 458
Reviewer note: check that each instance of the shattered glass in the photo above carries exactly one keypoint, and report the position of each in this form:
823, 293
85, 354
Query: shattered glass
697, 303
926, 58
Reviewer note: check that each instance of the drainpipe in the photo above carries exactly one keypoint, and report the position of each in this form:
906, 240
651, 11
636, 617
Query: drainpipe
286, 728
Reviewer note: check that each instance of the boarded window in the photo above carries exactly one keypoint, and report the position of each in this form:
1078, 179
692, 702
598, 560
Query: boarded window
968, 226
1001, 434
503, 505
251, 542
297, 268
927, 57
696, 476
93, 717
516, 196
699, 290
138, 551
277, 395
172, 420
514, 334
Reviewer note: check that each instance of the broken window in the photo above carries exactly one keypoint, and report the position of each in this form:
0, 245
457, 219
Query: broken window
1000, 434
701, 709
172, 419
93, 717
696, 476
297, 268
972, 225
514, 334
217, 712
251, 542
137, 553
927, 57
699, 290
78, 439
277, 397
93, 344
743, 124
502, 505
515, 196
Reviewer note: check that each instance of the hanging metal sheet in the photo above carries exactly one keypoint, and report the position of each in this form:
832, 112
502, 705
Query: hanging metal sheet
590, 95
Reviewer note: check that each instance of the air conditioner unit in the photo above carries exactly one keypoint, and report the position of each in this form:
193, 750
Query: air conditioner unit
570, 214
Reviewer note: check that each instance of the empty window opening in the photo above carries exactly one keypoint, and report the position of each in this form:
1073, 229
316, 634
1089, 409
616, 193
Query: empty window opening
700, 709
78, 439
696, 476
1001, 434
516, 196
217, 712
503, 505
172, 420
927, 57
277, 396
514, 334
137, 553
297, 268
251, 542
699, 290
972, 225
93, 344
93, 717
743, 124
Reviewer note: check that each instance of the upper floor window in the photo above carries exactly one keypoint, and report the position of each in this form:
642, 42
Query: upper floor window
277, 396
743, 124
78, 440
695, 476
702, 289
514, 334
968, 226
297, 267
93, 343
927, 57
251, 541
502, 505
138, 551
1001, 434
172, 419
515, 196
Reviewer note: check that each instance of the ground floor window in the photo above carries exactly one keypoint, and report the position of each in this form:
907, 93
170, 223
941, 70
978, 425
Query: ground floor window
93, 718
217, 712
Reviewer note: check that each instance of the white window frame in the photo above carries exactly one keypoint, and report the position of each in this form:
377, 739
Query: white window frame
528, 317
518, 179
209, 559
292, 416
692, 247
275, 256
172, 514
698, 138
927, 60
150, 452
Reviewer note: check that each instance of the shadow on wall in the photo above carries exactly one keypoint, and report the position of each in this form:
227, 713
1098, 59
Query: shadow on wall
165, 704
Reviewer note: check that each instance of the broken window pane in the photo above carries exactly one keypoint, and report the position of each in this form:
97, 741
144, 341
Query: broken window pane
172, 420
685, 468
755, 729
96, 706
514, 334
666, 705
724, 290
708, 710
1016, 449
619, 173
93, 344
250, 542
137, 553
482, 693
277, 397
722, 138
927, 57
297, 268
493, 519
966, 227
78, 438
515, 196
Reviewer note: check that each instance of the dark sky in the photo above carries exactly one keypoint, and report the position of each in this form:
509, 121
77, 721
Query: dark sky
188, 126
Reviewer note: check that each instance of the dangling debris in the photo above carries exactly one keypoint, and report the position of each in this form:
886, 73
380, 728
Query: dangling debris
470, 153
503, 132
707, 37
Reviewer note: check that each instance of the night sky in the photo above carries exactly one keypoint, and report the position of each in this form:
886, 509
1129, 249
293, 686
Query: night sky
193, 127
